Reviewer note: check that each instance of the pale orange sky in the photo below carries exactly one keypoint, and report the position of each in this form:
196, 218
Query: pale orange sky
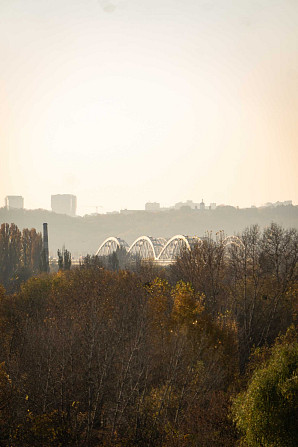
126, 101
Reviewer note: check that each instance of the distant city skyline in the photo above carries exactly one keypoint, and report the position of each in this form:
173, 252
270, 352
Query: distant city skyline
67, 203
122, 102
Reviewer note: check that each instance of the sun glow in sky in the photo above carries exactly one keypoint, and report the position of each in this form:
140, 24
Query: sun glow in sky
121, 102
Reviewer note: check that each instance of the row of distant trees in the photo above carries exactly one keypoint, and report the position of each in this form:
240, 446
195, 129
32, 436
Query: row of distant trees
22, 256
255, 279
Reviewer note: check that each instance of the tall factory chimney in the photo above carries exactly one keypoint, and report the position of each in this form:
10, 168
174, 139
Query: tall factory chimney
45, 247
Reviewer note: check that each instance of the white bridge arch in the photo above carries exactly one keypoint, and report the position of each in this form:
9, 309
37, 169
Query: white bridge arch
150, 248
175, 245
233, 240
110, 245
147, 247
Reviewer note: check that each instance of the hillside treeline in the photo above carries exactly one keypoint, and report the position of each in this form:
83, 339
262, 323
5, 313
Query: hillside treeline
83, 235
94, 357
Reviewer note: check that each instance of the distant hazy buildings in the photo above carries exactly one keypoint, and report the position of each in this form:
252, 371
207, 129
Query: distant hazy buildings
275, 204
64, 204
193, 205
14, 202
152, 206
67, 204
188, 203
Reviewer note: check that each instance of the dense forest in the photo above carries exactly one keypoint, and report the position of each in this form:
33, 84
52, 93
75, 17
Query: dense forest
201, 353
83, 235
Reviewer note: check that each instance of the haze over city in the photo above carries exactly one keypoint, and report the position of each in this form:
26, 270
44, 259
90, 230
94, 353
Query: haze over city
126, 101
148, 223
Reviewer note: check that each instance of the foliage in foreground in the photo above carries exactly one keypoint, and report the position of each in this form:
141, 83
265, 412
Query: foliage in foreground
267, 412
93, 357
96, 357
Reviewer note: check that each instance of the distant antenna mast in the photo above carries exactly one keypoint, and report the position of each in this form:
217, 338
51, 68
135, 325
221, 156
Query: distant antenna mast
45, 247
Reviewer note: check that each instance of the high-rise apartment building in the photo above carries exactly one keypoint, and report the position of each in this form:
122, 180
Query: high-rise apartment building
14, 202
64, 204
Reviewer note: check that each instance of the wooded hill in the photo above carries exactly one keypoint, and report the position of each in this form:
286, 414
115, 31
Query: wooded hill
82, 235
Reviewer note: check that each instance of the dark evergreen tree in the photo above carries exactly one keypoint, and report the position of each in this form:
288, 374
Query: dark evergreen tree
64, 259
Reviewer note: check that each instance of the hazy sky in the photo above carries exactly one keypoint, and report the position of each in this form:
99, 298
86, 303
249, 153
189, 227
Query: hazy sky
126, 101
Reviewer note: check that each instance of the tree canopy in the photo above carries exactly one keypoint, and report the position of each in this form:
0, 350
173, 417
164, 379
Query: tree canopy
267, 411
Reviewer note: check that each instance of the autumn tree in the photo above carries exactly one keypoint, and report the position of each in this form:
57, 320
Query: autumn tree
266, 412
10, 251
261, 271
19, 255
203, 266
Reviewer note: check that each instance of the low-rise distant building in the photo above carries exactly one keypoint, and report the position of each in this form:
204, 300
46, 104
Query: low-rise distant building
275, 204
193, 205
152, 206
64, 204
14, 202
189, 203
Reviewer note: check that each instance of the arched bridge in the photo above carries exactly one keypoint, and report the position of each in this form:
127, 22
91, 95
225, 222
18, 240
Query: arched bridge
158, 250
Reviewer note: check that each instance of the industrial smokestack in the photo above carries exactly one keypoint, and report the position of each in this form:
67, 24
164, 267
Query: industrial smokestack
45, 247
